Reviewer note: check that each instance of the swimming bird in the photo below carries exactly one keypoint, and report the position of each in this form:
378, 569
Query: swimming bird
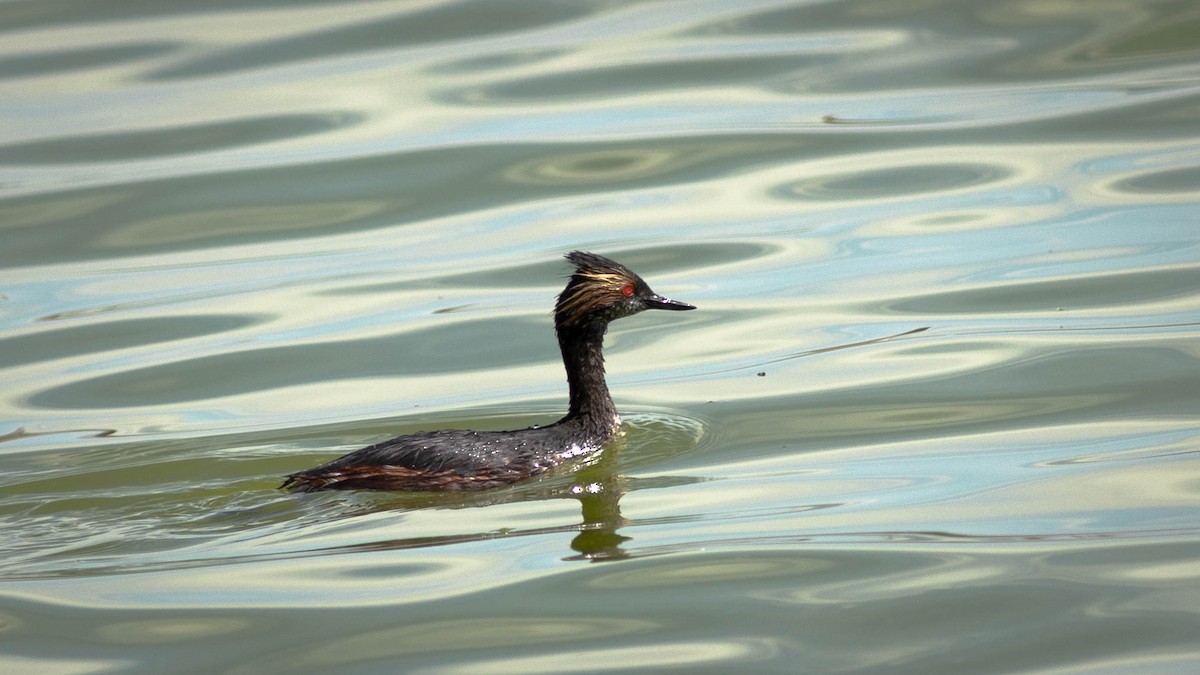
599, 291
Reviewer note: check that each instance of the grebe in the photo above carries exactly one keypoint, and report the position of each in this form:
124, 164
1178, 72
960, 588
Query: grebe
599, 291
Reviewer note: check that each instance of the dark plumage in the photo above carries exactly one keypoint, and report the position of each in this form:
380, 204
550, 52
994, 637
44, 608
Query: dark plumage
599, 291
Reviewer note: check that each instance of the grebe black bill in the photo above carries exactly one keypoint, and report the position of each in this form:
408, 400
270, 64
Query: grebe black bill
599, 291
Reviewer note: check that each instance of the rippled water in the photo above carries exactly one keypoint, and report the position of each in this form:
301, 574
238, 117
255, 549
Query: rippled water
938, 411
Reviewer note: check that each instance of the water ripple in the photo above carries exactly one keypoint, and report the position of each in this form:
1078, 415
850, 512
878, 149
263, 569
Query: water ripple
132, 145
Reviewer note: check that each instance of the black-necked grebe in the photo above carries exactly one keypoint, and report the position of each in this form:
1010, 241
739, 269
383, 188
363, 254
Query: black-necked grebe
599, 291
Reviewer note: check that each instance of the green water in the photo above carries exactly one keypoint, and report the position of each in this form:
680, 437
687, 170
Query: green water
938, 412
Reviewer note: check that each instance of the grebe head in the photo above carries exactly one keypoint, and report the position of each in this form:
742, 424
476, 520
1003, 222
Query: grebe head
602, 290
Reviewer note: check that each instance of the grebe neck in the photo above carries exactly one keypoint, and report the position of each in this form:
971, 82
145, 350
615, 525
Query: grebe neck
583, 356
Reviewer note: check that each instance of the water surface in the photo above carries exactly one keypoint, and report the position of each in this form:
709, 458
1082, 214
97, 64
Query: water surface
937, 412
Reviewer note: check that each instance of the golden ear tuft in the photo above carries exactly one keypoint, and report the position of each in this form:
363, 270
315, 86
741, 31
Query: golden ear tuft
596, 283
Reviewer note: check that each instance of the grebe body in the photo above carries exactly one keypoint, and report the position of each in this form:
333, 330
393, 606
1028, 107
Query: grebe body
598, 292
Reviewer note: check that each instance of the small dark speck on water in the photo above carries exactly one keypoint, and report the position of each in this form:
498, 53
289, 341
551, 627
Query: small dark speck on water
762, 373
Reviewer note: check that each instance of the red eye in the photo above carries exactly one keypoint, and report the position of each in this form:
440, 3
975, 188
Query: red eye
627, 290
